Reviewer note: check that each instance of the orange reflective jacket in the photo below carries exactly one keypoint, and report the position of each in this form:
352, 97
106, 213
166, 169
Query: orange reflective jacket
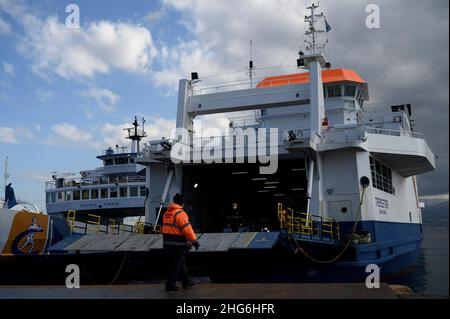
176, 226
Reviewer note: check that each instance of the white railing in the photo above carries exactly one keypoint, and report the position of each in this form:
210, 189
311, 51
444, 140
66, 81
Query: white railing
382, 131
81, 182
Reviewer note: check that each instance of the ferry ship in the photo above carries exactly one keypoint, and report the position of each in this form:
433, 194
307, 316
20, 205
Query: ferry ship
319, 188
344, 194
116, 190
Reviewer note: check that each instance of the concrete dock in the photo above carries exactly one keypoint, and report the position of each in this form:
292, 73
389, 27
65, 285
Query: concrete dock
203, 291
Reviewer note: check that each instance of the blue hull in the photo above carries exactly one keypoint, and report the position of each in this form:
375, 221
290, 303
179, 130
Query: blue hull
395, 248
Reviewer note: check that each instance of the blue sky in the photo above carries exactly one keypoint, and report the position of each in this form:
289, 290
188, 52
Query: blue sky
31, 104
66, 94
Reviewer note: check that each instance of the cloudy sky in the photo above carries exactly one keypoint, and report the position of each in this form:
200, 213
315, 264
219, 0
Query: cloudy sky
66, 94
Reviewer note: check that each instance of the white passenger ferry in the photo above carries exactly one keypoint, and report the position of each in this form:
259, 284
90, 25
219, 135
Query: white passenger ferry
115, 190
344, 194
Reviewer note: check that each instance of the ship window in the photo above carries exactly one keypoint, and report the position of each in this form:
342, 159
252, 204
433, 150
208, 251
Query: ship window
330, 92
68, 196
94, 193
334, 91
350, 90
123, 192
104, 193
113, 192
109, 162
85, 194
76, 195
131, 160
60, 196
53, 197
121, 161
381, 176
142, 191
133, 191
48, 198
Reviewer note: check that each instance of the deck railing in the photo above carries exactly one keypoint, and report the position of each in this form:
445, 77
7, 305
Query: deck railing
106, 180
97, 225
307, 225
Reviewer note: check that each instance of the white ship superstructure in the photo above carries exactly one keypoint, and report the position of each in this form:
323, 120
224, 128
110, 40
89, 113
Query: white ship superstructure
116, 190
334, 161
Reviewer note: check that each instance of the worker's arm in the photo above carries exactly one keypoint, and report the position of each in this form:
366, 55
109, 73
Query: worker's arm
185, 226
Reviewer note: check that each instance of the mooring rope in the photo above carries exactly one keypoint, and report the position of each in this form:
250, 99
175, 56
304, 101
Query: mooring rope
299, 248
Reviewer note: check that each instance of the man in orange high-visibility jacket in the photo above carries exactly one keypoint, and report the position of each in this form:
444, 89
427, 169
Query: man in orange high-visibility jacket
178, 238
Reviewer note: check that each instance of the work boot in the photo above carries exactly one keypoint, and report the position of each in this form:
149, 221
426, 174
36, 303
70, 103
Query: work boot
170, 287
188, 285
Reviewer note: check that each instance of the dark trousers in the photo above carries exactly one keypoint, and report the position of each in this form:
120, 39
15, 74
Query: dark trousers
176, 265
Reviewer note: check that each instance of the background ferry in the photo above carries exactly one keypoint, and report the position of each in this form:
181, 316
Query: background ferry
115, 190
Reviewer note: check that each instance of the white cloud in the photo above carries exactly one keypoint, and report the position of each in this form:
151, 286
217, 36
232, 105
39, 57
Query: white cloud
156, 16
8, 68
98, 47
108, 135
435, 198
221, 35
7, 135
66, 133
5, 27
45, 95
105, 99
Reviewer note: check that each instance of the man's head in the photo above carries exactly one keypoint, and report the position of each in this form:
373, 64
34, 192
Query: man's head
178, 199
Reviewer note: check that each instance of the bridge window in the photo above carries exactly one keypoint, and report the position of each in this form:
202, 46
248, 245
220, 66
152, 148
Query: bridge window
381, 176
350, 90
60, 196
121, 161
134, 192
48, 197
68, 196
109, 162
104, 192
142, 191
76, 195
334, 91
94, 193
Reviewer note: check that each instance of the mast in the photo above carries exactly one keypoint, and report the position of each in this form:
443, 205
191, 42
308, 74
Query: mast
136, 135
314, 60
5, 173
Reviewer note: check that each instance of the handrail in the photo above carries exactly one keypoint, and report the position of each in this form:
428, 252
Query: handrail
80, 181
110, 227
383, 131
306, 224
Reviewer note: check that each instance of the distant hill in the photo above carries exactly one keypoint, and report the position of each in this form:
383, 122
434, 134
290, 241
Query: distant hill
436, 214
